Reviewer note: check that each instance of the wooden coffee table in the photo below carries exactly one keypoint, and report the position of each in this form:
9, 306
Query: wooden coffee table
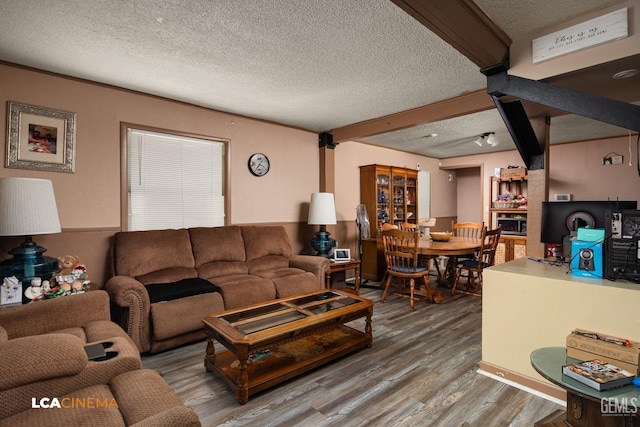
274, 341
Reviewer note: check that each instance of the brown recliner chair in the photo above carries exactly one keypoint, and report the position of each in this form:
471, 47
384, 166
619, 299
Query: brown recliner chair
42, 346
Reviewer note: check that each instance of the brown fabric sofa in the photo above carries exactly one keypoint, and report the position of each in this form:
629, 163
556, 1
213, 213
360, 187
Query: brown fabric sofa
165, 281
42, 346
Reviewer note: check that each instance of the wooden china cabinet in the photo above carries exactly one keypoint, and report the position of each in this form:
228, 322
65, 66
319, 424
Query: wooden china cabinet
390, 194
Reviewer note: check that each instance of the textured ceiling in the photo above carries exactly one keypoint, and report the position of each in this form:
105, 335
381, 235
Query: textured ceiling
317, 65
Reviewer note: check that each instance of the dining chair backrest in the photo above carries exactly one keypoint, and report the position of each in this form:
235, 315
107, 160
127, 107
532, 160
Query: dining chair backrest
408, 226
485, 257
401, 251
487, 253
467, 229
386, 226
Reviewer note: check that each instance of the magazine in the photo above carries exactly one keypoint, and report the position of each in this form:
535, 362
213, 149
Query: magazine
598, 374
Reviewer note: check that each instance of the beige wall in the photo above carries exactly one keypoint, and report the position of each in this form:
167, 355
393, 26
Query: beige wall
574, 168
528, 305
469, 194
89, 200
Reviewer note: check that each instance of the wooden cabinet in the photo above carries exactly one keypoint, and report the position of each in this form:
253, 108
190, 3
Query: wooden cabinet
510, 248
511, 215
391, 196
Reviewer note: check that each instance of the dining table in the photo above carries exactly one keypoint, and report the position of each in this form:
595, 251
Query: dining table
452, 248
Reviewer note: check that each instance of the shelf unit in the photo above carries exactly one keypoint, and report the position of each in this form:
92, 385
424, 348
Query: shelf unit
511, 246
391, 196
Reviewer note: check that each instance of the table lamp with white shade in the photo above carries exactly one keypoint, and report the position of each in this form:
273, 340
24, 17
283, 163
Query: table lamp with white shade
27, 208
322, 212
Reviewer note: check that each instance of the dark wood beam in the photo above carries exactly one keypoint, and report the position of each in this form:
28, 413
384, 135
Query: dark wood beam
472, 102
463, 25
585, 104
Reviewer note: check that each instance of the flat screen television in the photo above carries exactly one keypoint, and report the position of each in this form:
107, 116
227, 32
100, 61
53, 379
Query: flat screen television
560, 218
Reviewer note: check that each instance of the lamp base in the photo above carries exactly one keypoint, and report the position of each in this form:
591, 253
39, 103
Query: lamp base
28, 263
322, 243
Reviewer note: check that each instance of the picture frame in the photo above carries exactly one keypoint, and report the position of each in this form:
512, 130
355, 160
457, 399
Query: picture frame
342, 255
41, 139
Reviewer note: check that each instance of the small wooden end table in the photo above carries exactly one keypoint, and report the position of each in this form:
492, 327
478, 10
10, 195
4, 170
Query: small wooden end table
353, 264
586, 407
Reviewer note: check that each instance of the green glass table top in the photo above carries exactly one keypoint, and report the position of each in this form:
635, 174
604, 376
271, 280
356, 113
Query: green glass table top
548, 362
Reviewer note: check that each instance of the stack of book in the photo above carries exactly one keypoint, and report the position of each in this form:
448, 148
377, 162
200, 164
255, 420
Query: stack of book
598, 374
588, 345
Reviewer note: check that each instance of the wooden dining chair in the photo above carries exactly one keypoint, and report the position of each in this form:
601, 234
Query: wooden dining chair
474, 267
401, 254
407, 226
386, 226
467, 229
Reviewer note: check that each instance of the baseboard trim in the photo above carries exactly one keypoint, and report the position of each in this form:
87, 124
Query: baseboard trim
545, 390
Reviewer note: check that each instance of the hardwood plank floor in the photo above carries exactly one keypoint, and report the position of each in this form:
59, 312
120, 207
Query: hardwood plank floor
421, 371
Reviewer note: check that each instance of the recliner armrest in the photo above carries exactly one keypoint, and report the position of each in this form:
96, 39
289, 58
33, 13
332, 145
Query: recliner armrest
46, 316
317, 265
131, 295
41, 357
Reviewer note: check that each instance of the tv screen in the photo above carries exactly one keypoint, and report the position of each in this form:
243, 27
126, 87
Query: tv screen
557, 217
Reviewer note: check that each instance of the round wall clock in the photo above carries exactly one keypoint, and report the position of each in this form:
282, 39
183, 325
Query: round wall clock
259, 164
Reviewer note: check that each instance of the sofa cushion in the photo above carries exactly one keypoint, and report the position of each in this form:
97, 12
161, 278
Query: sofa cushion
66, 352
143, 394
212, 244
139, 253
183, 288
241, 290
184, 315
292, 281
267, 247
218, 251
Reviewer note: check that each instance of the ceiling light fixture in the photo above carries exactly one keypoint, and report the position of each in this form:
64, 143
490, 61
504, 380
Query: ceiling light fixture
488, 137
625, 74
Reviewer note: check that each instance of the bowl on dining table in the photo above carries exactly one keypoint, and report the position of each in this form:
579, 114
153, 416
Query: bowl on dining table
440, 236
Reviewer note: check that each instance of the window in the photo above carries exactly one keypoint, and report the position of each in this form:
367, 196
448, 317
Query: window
174, 181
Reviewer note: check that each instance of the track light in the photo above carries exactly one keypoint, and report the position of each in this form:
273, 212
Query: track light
488, 137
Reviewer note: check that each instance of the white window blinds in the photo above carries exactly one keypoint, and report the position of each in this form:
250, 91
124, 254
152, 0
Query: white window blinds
174, 182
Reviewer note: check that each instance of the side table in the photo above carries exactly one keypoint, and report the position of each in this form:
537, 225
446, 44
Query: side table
353, 264
586, 406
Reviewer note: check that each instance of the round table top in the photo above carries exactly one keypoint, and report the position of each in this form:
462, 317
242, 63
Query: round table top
548, 362
455, 246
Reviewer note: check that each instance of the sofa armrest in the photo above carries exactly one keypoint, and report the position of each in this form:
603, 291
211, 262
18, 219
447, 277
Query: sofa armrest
32, 359
131, 295
46, 316
317, 265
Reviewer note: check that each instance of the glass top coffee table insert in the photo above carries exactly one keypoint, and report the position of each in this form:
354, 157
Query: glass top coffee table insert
273, 341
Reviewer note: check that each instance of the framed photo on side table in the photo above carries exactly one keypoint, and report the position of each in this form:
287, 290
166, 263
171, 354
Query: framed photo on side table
341, 255
40, 138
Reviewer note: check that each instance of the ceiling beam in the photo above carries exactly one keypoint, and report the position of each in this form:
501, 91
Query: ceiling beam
595, 107
469, 103
463, 25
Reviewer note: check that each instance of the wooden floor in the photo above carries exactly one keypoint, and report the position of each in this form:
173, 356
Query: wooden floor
421, 371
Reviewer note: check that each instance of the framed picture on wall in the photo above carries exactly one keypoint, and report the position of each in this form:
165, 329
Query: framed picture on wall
40, 138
